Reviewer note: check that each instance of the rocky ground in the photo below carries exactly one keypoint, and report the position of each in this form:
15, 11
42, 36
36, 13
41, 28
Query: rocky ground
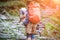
10, 29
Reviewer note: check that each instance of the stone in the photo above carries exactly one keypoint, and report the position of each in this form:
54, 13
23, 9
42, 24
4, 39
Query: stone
5, 35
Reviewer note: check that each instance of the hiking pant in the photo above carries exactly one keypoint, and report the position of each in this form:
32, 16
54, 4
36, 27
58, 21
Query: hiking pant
31, 28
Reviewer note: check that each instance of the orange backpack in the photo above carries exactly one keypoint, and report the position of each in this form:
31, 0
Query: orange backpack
34, 12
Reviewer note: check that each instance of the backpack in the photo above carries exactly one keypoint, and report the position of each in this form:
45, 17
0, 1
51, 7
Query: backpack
34, 12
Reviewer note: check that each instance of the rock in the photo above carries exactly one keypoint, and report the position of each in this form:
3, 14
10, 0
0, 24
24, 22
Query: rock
1, 25
13, 26
2, 17
11, 29
5, 35
21, 36
0, 20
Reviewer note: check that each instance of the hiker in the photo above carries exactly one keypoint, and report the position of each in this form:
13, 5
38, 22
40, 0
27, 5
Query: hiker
33, 9
23, 15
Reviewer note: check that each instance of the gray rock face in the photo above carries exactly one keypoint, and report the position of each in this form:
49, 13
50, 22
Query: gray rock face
10, 29
3, 17
5, 35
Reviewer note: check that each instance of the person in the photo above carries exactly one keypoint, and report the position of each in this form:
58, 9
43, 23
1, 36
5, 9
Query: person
23, 17
31, 27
